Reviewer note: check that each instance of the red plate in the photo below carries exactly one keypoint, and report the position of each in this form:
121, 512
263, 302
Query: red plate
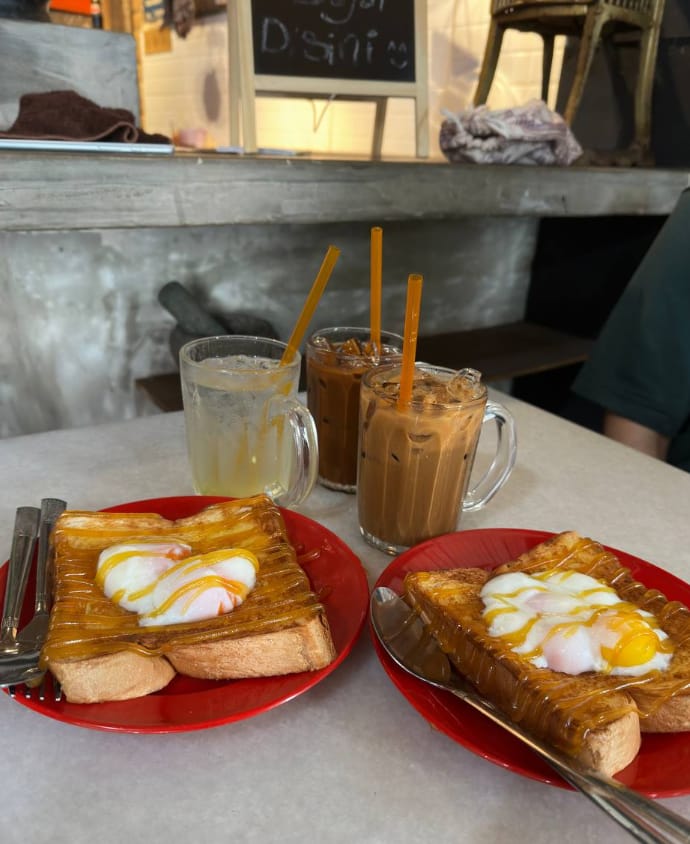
662, 767
336, 575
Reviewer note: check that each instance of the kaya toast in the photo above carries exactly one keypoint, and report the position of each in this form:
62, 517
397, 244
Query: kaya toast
98, 651
593, 717
663, 700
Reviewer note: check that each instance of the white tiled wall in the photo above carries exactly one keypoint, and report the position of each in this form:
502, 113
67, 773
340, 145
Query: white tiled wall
188, 86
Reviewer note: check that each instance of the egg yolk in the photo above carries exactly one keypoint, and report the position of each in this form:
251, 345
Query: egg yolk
636, 642
570, 622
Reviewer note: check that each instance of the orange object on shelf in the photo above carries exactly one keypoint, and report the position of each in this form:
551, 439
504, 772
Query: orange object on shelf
76, 7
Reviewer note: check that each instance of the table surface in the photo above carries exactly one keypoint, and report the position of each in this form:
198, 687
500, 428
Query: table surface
349, 760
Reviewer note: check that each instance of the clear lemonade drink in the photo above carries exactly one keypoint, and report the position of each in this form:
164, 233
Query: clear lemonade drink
246, 431
237, 444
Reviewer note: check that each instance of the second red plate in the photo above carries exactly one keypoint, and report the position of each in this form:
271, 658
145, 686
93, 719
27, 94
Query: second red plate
662, 767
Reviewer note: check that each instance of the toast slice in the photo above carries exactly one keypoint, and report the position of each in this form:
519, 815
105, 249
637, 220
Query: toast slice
98, 651
594, 717
602, 732
663, 699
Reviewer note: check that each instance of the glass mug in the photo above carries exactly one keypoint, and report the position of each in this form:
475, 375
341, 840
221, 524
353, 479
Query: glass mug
415, 463
336, 360
246, 431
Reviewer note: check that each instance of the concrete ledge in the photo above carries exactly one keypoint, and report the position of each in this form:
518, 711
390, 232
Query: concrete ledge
49, 191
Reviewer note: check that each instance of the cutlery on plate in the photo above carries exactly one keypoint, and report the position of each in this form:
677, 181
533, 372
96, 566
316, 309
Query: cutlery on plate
405, 639
23, 541
20, 668
31, 638
33, 635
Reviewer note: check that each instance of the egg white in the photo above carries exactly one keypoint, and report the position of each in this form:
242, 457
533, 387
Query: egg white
140, 565
564, 621
204, 601
163, 584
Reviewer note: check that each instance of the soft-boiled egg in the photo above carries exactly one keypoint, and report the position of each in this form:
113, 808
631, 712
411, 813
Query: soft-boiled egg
202, 587
165, 585
125, 571
571, 622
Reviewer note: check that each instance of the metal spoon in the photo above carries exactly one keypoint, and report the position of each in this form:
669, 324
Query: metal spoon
404, 637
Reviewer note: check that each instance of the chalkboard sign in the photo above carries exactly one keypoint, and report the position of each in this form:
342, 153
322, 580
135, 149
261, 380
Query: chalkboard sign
350, 49
335, 39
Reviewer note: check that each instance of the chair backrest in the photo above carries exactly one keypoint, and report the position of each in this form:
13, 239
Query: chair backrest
499, 7
645, 8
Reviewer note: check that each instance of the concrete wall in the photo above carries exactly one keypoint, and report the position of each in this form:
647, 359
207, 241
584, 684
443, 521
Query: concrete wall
80, 320
37, 57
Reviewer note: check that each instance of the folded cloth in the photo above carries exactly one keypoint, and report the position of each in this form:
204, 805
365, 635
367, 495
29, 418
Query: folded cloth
529, 134
67, 116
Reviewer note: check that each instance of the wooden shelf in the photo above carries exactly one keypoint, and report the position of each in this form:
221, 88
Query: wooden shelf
163, 390
502, 352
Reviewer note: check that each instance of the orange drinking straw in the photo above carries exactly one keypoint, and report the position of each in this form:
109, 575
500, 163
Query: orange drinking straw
376, 261
414, 300
309, 307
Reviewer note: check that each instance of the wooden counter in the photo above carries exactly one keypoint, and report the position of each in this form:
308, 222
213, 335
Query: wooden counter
67, 191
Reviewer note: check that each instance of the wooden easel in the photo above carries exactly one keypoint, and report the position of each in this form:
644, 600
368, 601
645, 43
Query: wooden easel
245, 84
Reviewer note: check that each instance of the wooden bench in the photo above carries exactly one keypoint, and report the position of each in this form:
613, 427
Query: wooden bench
502, 352
499, 352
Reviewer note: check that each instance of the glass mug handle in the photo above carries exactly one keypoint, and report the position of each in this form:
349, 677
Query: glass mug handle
306, 451
504, 458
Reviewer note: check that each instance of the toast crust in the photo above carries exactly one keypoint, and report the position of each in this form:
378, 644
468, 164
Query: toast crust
304, 647
119, 676
594, 717
281, 628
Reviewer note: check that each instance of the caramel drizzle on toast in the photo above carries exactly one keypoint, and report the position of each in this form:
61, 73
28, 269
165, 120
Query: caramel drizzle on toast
560, 707
85, 623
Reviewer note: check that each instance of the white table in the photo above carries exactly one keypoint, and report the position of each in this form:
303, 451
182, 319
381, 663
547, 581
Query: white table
350, 760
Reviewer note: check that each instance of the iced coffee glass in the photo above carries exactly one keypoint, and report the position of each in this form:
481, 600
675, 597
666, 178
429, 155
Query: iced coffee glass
337, 358
415, 463
246, 431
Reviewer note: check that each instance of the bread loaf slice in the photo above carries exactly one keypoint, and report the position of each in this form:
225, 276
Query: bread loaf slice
595, 717
601, 730
663, 698
98, 651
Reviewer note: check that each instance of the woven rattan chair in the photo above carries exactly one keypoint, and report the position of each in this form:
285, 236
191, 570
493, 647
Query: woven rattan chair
590, 20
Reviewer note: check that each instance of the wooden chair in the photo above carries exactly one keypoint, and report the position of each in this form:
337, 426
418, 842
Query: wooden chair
591, 21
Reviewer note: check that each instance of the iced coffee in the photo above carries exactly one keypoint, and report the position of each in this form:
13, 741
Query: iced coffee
337, 358
415, 462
